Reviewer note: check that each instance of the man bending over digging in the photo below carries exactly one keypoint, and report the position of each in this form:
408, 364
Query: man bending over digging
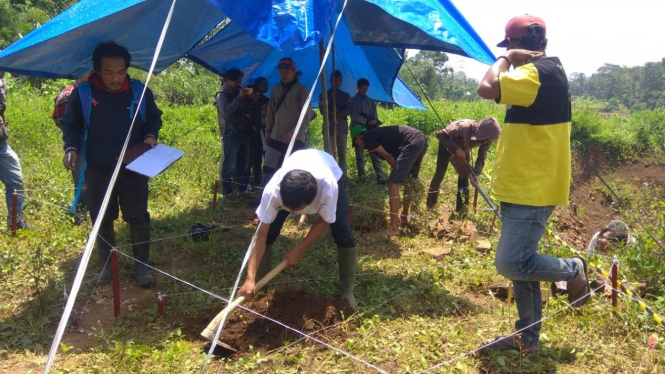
307, 183
403, 147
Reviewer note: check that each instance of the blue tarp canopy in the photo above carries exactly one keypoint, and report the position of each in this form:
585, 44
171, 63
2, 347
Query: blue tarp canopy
61, 48
232, 47
417, 24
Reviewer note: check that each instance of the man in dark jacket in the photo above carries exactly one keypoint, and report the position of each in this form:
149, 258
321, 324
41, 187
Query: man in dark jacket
363, 112
112, 107
457, 140
340, 112
235, 133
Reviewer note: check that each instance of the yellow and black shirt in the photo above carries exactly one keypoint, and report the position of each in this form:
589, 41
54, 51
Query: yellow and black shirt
533, 152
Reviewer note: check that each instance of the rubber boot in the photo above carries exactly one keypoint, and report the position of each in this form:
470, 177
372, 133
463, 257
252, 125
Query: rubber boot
105, 240
346, 260
141, 250
265, 265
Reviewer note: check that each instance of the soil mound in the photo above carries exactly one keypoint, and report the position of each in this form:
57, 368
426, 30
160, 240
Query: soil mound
297, 309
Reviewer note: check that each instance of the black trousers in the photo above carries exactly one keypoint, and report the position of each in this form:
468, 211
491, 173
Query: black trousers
341, 228
130, 195
442, 161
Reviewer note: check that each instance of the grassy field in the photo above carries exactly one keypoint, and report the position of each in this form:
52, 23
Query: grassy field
416, 312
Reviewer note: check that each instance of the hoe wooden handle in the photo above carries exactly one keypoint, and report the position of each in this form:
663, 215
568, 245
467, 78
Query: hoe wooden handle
209, 332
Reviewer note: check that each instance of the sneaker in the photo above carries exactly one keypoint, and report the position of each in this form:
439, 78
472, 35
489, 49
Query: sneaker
512, 342
578, 289
248, 190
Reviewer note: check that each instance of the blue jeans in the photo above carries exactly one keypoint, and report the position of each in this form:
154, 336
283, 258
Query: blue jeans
517, 259
11, 177
236, 155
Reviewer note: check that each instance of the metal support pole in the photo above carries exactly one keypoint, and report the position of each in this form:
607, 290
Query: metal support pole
115, 272
214, 195
323, 104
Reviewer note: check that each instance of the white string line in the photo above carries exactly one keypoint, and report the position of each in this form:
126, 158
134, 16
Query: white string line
259, 315
304, 111
61, 207
635, 299
85, 258
95, 287
311, 280
506, 336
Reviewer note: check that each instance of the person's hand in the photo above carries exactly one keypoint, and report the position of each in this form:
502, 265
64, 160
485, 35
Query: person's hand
460, 154
372, 122
248, 290
288, 136
519, 57
267, 138
244, 92
70, 160
293, 257
151, 141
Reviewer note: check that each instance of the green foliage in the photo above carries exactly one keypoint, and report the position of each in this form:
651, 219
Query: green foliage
639, 87
426, 71
183, 83
18, 18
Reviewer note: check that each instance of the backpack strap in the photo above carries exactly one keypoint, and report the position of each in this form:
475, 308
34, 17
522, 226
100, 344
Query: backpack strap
85, 94
137, 88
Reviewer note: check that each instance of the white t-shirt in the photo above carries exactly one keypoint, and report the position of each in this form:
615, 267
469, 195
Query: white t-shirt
325, 170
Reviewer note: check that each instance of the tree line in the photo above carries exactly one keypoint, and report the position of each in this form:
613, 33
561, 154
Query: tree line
19, 17
637, 87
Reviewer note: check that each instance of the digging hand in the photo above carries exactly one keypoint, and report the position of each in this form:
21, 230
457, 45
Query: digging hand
293, 257
460, 154
248, 290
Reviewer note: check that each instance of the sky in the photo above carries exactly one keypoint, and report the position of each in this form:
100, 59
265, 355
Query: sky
584, 34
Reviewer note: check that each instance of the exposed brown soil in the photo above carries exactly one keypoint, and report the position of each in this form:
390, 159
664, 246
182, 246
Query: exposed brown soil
590, 210
297, 309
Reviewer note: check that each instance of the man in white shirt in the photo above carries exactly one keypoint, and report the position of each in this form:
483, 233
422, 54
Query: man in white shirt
307, 183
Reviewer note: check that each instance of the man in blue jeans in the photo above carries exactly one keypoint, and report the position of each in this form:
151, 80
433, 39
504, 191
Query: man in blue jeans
10, 167
307, 183
532, 173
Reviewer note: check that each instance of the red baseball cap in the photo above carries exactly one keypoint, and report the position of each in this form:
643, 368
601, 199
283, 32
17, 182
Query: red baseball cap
287, 62
518, 27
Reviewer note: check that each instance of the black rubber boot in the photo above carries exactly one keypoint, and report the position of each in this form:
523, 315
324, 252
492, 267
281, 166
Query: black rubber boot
105, 241
265, 265
141, 250
346, 260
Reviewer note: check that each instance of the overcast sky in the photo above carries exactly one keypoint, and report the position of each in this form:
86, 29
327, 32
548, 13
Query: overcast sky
584, 34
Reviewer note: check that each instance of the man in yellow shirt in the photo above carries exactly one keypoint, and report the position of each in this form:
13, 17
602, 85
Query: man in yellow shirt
532, 173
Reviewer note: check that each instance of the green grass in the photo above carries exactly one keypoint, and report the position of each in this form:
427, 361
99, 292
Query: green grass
416, 312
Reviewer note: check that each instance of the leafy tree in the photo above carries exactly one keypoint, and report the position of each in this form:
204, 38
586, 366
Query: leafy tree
427, 74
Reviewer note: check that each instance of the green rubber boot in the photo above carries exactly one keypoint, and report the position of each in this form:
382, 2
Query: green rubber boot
346, 260
266, 264
141, 250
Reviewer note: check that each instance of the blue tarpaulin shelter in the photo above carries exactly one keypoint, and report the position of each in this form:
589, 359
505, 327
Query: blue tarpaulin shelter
232, 47
62, 46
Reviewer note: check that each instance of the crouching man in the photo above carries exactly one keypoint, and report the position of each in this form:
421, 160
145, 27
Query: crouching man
307, 183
